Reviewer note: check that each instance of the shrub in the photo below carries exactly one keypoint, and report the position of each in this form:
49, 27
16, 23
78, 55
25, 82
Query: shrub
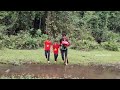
27, 42
110, 36
85, 45
7, 42
42, 39
112, 46
30, 43
23, 41
38, 33
1, 45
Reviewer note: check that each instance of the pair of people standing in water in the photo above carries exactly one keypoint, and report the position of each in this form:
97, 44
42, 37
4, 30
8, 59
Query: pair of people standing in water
63, 45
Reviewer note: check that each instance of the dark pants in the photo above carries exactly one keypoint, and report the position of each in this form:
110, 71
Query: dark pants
55, 56
47, 54
64, 54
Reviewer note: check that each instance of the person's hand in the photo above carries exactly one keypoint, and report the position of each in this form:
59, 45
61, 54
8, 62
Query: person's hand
68, 44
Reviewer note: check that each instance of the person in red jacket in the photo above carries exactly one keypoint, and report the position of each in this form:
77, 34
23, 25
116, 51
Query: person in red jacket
55, 50
64, 43
47, 48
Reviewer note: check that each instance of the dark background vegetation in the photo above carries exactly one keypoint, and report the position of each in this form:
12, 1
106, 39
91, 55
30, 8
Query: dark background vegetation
86, 30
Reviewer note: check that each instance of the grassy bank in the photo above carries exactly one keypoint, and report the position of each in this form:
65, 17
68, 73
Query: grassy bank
75, 57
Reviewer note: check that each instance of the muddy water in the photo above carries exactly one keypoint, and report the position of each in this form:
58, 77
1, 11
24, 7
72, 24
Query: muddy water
62, 71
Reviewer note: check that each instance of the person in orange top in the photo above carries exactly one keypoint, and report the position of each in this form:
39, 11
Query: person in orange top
55, 50
47, 48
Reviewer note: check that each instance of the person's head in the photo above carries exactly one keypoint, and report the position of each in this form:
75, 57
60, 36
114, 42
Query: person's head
48, 38
55, 41
64, 36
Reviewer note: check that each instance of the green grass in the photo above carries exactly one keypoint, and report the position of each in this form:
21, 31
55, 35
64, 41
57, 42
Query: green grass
75, 57
96, 57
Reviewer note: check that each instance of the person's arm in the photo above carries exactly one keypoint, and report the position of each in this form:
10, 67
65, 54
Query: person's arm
60, 42
68, 43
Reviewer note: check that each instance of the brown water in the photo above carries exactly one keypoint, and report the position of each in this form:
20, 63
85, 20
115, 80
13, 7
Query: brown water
62, 71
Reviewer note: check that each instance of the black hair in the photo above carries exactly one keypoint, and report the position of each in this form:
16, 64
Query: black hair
55, 40
63, 34
48, 38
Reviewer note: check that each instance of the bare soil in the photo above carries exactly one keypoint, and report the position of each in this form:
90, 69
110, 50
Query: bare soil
61, 71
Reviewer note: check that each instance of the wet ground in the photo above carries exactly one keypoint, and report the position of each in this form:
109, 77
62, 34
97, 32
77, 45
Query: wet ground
62, 71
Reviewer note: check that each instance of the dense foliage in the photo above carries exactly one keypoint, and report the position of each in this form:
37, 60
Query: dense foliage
87, 30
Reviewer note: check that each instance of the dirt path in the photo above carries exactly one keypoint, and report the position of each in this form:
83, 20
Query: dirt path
62, 71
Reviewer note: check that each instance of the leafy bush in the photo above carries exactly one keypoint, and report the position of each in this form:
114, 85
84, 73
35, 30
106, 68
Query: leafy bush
23, 41
38, 33
85, 45
1, 45
30, 43
42, 39
7, 42
112, 46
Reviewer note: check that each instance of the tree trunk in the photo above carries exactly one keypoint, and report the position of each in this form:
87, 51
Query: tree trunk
43, 22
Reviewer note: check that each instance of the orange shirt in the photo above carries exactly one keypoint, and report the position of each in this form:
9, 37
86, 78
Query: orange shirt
55, 48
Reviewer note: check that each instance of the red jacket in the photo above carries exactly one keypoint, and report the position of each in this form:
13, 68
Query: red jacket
63, 41
47, 45
55, 48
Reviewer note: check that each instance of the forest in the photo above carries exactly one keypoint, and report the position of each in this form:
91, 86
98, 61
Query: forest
86, 30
